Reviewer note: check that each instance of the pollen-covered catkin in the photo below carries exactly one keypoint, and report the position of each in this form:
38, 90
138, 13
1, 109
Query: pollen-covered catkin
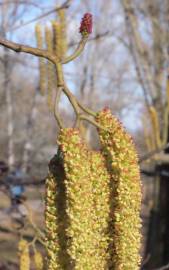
79, 199
55, 216
50, 67
24, 258
42, 63
100, 179
51, 221
38, 259
122, 163
57, 34
62, 19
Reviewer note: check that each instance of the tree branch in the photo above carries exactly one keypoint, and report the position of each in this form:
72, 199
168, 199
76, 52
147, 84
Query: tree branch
27, 49
152, 153
66, 4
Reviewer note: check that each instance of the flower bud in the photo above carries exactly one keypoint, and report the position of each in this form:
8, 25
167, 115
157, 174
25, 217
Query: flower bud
86, 25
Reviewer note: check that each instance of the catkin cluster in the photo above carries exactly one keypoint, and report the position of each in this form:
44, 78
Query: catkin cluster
94, 223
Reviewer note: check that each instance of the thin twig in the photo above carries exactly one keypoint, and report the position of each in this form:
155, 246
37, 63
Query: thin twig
152, 153
165, 267
39, 232
86, 118
77, 52
56, 113
72, 99
65, 5
88, 111
26, 182
19, 3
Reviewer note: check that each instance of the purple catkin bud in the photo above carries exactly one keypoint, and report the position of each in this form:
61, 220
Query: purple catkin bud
86, 25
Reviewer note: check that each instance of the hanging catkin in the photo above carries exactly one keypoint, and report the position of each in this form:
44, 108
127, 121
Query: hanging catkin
55, 216
122, 163
79, 199
100, 208
24, 257
57, 34
38, 259
50, 67
62, 20
42, 63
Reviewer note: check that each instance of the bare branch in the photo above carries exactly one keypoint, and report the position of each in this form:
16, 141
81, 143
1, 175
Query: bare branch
19, 3
66, 4
27, 49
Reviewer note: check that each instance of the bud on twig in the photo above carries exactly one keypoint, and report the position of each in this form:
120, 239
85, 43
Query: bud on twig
86, 25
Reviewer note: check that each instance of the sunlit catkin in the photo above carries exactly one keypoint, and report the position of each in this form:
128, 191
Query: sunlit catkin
24, 258
42, 63
38, 259
62, 19
51, 221
79, 199
55, 216
122, 163
57, 34
50, 67
100, 208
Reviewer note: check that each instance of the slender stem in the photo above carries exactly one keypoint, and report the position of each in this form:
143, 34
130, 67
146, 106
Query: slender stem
32, 243
59, 72
85, 117
86, 109
72, 99
39, 232
56, 113
77, 52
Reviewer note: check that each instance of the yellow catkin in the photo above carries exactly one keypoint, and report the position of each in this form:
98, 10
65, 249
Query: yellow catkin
51, 221
155, 125
100, 180
42, 64
79, 200
50, 67
55, 217
38, 259
62, 19
57, 34
122, 163
24, 258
